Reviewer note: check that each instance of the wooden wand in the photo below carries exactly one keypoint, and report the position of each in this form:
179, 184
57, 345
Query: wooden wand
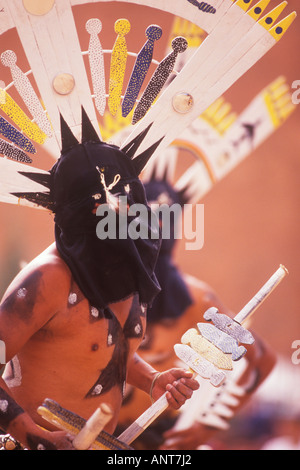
205, 366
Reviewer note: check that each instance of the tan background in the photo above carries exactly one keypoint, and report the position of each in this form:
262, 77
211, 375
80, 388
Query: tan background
251, 217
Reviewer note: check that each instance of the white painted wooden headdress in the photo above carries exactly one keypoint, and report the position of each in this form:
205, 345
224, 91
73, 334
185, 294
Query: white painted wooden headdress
220, 139
60, 81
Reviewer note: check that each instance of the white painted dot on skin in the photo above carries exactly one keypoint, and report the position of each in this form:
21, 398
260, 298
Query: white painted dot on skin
21, 294
72, 298
137, 329
94, 312
41, 447
109, 340
98, 389
16, 381
3, 406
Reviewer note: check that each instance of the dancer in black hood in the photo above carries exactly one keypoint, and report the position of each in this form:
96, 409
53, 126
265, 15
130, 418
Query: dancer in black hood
73, 319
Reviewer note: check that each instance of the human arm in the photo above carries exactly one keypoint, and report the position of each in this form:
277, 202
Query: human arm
28, 304
16, 422
178, 383
259, 362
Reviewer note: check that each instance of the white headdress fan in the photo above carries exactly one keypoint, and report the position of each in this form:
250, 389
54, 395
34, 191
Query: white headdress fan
62, 78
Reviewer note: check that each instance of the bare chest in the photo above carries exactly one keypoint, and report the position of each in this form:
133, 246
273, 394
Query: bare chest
96, 344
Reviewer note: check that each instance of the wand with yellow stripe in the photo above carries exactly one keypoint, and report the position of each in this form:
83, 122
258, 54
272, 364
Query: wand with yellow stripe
210, 351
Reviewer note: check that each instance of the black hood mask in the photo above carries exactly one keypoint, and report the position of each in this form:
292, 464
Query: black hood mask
88, 175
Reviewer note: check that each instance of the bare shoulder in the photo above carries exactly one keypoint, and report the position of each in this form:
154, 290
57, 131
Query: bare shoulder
51, 265
45, 279
33, 298
199, 288
204, 295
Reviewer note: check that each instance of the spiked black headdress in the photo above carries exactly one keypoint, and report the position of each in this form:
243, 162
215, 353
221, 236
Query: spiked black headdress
87, 175
39, 194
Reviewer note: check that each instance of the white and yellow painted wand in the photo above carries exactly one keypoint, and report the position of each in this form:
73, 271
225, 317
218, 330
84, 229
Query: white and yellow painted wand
206, 356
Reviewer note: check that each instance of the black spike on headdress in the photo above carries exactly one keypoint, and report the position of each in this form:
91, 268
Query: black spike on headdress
153, 175
68, 140
131, 148
183, 194
165, 175
40, 199
141, 160
40, 178
89, 133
